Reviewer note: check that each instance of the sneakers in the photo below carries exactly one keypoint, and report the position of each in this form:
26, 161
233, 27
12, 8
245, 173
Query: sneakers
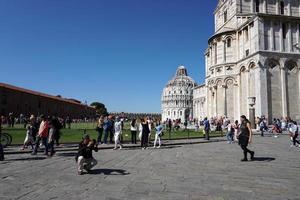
244, 160
80, 173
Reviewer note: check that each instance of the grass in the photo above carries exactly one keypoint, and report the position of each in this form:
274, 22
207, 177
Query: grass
74, 134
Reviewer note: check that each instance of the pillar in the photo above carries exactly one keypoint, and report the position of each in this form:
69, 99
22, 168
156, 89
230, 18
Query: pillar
225, 102
215, 101
290, 37
281, 38
283, 92
272, 37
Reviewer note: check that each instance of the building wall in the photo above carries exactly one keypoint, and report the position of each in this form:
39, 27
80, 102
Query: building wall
262, 60
24, 103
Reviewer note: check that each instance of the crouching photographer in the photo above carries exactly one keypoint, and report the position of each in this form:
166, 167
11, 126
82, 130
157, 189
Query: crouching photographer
84, 158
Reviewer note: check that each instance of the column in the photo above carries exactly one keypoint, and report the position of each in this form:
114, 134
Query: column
283, 93
225, 102
224, 51
289, 8
298, 40
265, 6
281, 38
215, 101
272, 37
290, 36
277, 7
252, 7
238, 98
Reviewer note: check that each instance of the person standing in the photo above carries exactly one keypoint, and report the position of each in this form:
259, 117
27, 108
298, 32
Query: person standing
206, 128
158, 134
236, 127
100, 129
229, 134
42, 135
133, 129
145, 134
118, 133
245, 137
51, 136
107, 126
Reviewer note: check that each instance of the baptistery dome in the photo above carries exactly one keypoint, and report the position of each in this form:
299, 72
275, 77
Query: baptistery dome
177, 96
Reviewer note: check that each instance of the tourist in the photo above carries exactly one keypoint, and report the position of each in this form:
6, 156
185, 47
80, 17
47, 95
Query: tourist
118, 133
185, 125
133, 129
145, 134
150, 123
28, 139
230, 131
84, 157
170, 125
68, 122
236, 127
42, 136
245, 137
206, 128
140, 129
107, 126
57, 127
159, 130
293, 132
51, 136
100, 129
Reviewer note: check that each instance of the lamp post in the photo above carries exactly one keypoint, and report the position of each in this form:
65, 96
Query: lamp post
251, 102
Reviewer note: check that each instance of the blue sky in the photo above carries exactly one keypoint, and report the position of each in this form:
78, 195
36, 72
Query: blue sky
119, 52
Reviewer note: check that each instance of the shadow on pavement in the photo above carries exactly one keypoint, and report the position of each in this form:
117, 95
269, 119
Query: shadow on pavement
266, 159
26, 159
67, 154
110, 172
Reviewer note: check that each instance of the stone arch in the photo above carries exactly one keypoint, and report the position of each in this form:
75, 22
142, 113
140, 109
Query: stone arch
242, 68
243, 90
274, 88
291, 71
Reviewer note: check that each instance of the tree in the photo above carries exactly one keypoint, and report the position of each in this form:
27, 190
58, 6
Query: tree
100, 108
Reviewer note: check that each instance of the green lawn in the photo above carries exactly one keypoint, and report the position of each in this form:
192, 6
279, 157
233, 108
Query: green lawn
74, 134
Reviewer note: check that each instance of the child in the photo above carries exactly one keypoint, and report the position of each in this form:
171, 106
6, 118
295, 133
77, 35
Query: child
158, 135
29, 137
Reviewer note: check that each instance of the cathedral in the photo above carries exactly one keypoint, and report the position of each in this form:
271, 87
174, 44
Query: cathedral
252, 62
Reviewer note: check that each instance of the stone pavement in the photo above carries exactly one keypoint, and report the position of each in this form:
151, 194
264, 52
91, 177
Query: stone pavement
209, 171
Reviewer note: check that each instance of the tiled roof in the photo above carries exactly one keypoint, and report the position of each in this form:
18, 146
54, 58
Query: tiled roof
11, 87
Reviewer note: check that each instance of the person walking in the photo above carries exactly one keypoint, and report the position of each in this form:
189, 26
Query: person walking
42, 136
236, 127
145, 134
206, 128
245, 138
118, 133
293, 132
133, 129
100, 129
51, 136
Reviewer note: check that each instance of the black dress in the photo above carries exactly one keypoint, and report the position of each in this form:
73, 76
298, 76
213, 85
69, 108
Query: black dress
145, 135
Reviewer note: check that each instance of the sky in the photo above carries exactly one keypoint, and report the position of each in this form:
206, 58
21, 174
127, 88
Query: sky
118, 52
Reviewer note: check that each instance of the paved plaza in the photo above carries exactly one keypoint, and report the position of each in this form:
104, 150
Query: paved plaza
199, 171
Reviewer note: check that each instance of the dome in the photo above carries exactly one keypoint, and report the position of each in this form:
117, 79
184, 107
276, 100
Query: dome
177, 96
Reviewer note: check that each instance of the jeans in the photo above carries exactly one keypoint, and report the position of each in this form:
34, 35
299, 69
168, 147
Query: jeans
229, 136
295, 139
106, 132
51, 148
37, 144
85, 163
100, 132
133, 137
157, 137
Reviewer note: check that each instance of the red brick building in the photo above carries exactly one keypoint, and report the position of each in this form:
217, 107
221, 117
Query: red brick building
23, 101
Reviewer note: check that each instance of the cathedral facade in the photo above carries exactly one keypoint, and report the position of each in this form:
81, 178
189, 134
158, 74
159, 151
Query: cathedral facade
254, 55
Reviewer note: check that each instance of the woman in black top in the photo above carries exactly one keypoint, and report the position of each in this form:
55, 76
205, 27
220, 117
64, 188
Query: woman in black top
245, 137
145, 134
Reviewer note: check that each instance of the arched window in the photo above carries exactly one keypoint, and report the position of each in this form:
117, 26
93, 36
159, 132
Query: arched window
282, 7
225, 16
228, 42
180, 113
257, 6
